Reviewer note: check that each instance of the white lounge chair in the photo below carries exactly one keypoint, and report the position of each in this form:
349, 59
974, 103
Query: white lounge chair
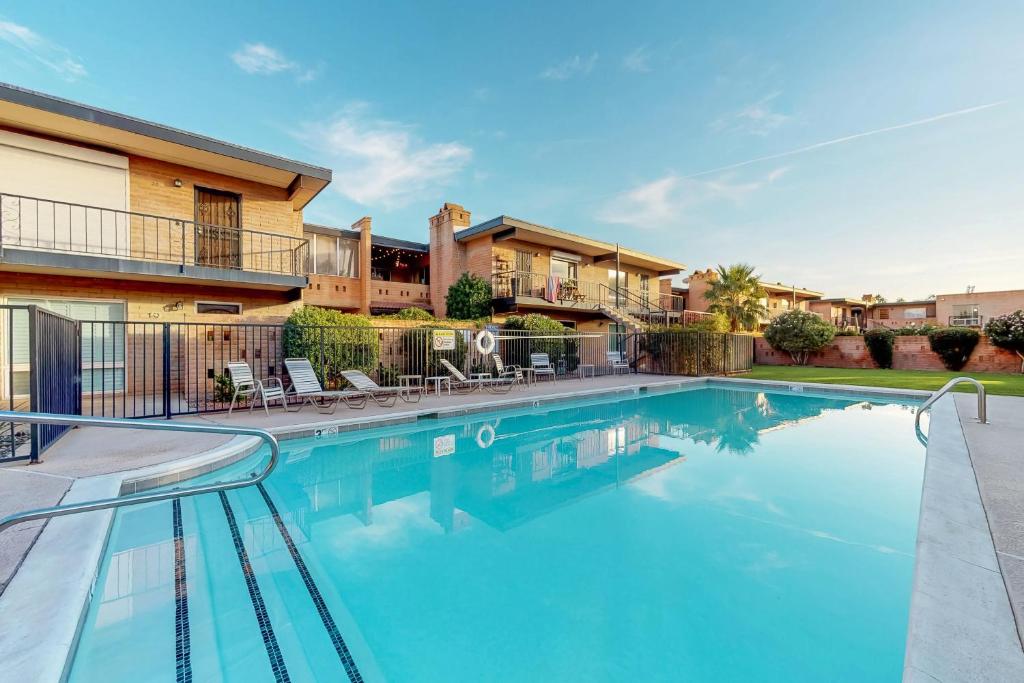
502, 370
616, 362
306, 386
502, 383
541, 364
247, 386
382, 396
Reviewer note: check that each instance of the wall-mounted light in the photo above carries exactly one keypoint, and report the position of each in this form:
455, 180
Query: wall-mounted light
177, 182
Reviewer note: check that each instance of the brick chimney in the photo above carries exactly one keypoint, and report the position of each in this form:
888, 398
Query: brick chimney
447, 257
364, 227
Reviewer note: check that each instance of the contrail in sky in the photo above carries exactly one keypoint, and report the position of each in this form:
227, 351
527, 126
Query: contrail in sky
848, 138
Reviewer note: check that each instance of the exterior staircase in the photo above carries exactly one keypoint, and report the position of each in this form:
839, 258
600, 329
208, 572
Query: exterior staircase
621, 317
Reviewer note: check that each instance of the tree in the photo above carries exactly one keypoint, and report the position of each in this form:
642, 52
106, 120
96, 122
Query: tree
737, 293
799, 333
469, 298
1007, 332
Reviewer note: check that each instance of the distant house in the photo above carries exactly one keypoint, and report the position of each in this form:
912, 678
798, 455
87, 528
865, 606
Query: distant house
780, 297
841, 311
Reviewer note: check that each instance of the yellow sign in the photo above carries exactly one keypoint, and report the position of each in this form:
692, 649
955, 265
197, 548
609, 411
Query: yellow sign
444, 340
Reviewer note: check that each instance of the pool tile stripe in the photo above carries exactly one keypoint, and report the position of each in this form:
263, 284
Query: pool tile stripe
256, 597
314, 592
182, 635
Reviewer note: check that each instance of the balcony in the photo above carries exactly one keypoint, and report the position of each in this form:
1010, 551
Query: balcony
42, 234
511, 289
387, 296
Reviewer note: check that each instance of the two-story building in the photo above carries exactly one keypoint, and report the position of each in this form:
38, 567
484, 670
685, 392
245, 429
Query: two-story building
106, 216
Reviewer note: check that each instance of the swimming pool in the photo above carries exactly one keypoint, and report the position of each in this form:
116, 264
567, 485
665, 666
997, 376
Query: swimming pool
706, 534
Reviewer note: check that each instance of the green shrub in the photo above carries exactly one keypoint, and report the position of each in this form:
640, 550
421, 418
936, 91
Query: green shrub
715, 322
332, 341
912, 330
682, 351
413, 313
469, 298
516, 352
420, 358
953, 345
880, 342
799, 333
223, 388
1007, 332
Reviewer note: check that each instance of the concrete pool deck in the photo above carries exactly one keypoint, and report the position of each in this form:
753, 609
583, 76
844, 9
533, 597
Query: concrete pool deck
969, 575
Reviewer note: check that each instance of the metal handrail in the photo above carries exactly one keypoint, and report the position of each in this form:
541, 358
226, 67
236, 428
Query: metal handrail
138, 498
982, 399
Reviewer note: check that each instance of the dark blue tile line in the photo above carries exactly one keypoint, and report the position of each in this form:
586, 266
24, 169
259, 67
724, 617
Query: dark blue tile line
182, 636
314, 592
258, 606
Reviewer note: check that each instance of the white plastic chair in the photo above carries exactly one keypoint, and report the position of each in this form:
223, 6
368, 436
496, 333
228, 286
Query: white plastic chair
247, 386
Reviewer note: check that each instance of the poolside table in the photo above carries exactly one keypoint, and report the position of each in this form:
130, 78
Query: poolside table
438, 380
410, 383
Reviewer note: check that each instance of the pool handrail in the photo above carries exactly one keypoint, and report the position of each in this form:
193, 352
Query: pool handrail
946, 388
137, 498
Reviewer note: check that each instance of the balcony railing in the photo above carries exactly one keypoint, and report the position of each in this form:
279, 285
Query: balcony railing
63, 227
965, 321
651, 307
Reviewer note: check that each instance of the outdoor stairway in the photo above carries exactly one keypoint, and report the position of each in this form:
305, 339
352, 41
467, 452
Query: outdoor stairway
236, 601
620, 316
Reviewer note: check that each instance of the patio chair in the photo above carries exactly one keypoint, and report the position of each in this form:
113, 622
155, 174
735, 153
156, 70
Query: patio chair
459, 381
306, 386
501, 369
541, 364
382, 396
616, 362
247, 386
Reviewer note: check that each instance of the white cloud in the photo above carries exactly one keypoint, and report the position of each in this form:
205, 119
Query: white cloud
668, 200
383, 162
756, 119
638, 60
573, 66
51, 55
262, 60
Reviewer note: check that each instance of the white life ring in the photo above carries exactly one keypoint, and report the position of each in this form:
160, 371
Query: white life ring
484, 342
485, 436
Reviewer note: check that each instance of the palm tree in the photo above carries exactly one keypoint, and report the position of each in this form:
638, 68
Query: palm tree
737, 293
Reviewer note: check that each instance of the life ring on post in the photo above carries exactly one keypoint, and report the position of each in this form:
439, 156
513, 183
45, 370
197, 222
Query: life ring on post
484, 342
485, 436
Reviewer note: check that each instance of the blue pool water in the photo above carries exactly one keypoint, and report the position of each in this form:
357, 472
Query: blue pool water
705, 535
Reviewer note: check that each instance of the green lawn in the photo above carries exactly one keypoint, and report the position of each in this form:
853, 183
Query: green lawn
995, 383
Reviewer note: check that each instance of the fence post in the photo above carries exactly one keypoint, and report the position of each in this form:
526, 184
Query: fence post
33, 381
323, 373
167, 369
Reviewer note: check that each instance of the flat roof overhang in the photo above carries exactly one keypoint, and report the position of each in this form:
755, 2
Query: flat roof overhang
506, 227
77, 265
27, 110
779, 288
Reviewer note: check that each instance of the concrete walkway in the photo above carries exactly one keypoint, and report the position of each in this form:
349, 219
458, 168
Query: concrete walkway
997, 454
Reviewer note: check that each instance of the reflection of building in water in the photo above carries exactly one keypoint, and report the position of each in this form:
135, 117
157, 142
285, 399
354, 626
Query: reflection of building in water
533, 463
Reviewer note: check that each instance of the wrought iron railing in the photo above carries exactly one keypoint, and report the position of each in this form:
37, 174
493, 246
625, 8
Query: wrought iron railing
55, 226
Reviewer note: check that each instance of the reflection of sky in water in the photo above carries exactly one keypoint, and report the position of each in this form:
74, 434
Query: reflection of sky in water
702, 535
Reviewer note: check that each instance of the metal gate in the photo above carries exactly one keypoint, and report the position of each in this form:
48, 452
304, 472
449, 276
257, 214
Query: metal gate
42, 371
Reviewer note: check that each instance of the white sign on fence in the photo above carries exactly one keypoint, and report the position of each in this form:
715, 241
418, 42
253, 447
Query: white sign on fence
444, 340
444, 445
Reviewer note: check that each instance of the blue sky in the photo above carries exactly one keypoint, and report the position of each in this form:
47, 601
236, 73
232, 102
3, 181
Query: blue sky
846, 147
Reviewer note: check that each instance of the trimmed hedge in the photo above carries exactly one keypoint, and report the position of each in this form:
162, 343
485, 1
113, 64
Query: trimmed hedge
880, 342
953, 345
332, 341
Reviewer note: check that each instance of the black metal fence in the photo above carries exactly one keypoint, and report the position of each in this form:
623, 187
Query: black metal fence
148, 369
42, 369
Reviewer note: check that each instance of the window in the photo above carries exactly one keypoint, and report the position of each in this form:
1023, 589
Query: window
348, 258
103, 342
567, 270
331, 255
883, 314
218, 307
326, 255
915, 313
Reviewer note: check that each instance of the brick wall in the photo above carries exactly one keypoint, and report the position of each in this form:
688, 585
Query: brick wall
909, 353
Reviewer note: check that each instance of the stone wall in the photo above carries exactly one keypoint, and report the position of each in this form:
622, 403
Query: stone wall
909, 353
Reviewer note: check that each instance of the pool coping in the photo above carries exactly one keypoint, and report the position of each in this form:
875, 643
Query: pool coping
43, 648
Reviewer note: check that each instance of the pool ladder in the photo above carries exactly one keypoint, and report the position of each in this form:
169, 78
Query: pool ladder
139, 498
946, 388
